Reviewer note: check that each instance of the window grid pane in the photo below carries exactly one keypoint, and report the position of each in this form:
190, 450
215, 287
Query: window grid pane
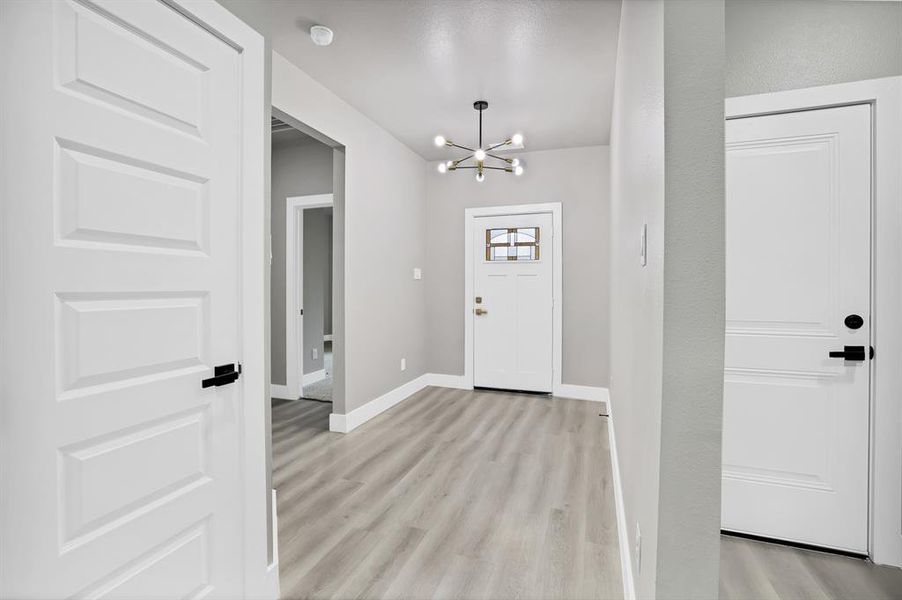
512, 243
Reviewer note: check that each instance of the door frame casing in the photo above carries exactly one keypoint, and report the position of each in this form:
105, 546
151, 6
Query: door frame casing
294, 285
557, 282
261, 576
885, 470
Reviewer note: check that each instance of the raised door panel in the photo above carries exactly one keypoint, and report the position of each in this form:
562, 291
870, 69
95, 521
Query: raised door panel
513, 275
122, 475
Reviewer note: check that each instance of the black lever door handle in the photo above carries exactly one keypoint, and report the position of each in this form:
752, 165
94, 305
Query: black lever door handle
222, 375
849, 353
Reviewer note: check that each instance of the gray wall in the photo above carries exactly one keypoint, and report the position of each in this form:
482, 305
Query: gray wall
788, 44
317, 266
327, 302
297, 170
667, 317
384, 317
694, 300
576, 177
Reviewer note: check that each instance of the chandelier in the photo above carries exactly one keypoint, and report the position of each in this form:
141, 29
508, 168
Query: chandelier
481, 154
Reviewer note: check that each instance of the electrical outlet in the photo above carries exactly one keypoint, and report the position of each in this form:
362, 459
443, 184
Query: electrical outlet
403, 364
638, 549
417, 273
315, 353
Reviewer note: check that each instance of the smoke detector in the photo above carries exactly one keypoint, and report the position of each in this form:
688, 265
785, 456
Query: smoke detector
321, 35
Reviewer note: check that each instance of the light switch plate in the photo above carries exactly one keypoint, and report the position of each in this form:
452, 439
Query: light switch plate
417, 273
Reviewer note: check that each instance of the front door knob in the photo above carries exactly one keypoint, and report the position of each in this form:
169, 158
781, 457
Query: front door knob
481, 311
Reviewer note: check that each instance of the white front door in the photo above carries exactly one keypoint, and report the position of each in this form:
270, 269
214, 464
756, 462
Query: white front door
795, 438
121, 475
512, 304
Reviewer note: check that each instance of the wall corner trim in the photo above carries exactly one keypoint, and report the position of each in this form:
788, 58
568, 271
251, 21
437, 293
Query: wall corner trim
280, 391
626, 563
582, 392
458, 382
313, 377
345, 423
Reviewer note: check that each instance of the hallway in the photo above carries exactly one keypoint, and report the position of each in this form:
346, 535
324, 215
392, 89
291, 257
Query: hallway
450, 494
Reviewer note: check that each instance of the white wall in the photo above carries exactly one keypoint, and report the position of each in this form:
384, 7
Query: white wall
298, 169
790, 44
667, 317
576, 177
384, 229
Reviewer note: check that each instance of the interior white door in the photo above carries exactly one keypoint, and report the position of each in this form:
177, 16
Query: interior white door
795, 438
121, 476
512, 307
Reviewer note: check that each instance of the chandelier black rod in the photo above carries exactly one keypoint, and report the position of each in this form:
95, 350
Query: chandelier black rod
509, 169
480, 125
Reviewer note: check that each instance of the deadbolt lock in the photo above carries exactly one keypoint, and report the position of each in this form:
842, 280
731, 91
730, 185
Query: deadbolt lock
478, 299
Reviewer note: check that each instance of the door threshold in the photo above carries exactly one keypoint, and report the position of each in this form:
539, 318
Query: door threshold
799, 545
507, 391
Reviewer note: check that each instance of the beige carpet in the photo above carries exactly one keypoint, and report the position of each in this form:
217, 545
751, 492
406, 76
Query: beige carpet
321, 390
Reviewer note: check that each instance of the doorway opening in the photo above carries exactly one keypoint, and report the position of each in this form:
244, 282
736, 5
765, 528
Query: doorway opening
306, 300
308, 296
302, 300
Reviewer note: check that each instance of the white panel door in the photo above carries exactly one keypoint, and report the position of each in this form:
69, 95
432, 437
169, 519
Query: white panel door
795, 438
512, 307
121, 475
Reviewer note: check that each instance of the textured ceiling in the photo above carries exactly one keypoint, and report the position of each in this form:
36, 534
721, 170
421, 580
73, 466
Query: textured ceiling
546, 67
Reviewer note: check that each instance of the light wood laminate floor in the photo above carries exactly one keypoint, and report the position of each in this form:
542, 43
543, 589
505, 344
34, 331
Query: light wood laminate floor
450, 494
458, 494
752, 570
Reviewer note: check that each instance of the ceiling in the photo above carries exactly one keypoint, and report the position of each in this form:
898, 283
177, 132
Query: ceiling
284, 134
546, 67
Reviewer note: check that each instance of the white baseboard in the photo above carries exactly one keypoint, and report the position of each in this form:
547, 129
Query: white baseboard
281, 391
327, 337
448, 381
582, 392
626, 562
272, 570
360, 415
275, 530
314, 377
